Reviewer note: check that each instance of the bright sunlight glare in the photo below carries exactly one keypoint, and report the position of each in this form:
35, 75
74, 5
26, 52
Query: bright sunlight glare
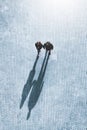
59, 4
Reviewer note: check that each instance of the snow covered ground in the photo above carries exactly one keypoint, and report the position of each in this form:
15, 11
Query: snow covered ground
63, 102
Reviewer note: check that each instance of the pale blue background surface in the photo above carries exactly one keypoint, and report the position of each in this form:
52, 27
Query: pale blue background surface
62, 104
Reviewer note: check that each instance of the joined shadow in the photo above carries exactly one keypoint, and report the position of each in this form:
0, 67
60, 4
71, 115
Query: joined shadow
29, 83
37, 85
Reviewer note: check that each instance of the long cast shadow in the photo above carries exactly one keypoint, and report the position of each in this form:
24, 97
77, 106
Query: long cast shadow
29, 83
37, 86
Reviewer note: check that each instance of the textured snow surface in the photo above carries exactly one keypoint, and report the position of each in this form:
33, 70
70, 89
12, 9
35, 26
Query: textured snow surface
63, 102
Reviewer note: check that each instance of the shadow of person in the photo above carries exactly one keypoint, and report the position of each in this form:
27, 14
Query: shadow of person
37, 86
28, 84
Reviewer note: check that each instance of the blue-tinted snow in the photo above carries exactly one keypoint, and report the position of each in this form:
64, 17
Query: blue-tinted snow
63, 102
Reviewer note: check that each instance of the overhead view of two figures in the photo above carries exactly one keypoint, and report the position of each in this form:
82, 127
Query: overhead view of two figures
34, 87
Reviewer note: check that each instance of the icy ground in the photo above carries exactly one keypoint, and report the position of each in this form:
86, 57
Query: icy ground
63, 102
